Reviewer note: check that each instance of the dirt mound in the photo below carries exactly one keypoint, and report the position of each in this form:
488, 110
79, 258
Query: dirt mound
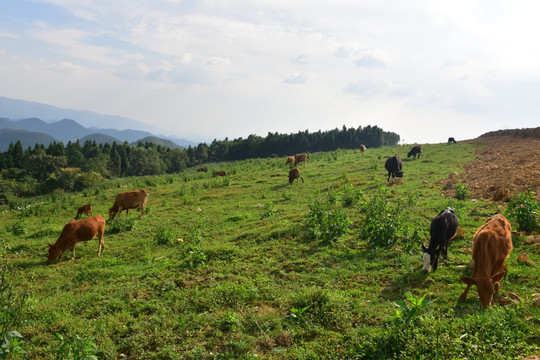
507, 163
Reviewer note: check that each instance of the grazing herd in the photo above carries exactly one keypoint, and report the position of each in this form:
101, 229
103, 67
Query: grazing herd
491, 245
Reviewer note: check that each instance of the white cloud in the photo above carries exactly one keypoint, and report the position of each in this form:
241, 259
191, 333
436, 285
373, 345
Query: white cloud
296, 79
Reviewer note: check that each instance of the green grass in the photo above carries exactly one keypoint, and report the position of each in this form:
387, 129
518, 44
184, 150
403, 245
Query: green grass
226, 268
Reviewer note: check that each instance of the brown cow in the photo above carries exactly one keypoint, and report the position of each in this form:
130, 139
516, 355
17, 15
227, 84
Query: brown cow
300, 158
85, 209
362, 148
290, 160
129, 200
491, 247
75, 231
294, 173
221, 173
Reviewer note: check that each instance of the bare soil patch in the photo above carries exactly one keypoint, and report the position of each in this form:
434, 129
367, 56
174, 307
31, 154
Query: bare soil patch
507, 161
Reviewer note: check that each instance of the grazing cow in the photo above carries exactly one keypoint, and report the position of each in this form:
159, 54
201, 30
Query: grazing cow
393, 165
221, 173
85, 209
75, 231
443, 228
417, 150
451, 140
298, 158
491, 247
294, 173
129, 200
362, 148
201, 169
290, 160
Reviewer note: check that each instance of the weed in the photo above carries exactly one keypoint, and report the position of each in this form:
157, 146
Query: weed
409, 314
11, 308
75, 348
269, 210
525, 210
164, 236
350, 195
462, 192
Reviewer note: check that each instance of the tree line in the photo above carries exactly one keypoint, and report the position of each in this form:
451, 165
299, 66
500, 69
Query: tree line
75, 166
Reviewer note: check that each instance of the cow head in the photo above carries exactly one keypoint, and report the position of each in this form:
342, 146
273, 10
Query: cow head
485, 287
112, 213
430, 259
398, 174
54, 252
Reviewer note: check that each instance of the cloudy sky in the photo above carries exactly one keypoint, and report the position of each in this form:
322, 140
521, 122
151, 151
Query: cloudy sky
205, 69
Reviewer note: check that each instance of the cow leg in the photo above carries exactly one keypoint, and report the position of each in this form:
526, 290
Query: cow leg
463, 296
101, 244
73, 253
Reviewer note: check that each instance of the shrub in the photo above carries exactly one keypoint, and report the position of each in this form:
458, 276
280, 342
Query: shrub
326, 222
18, 228
120, 225
384, 223
525, 210
350, 195
164, 236
409, 314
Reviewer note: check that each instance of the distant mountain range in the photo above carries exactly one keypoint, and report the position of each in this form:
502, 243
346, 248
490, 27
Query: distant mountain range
69, 125
36, 131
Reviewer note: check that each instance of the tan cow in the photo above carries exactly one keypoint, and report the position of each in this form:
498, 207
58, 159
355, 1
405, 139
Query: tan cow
129, 200
294, 173
85, 209
298, 158
491, 247
362, 148
290, 160
75, 231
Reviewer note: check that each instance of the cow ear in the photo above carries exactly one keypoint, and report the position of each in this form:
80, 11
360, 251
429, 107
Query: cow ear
497, 277
468, 280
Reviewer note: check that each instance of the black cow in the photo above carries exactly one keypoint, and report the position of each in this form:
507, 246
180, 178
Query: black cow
443, 228
417, 150
451, 140
393, 165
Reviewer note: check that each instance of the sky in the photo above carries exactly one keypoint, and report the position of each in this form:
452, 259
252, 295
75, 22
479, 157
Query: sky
210, 69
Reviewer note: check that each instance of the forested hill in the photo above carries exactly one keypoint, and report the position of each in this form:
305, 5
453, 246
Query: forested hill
76, 166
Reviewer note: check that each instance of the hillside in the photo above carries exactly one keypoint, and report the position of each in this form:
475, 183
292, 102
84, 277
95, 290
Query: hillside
247, 266
157, 141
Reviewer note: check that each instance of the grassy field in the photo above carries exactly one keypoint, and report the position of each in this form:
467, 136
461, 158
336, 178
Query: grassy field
247, 266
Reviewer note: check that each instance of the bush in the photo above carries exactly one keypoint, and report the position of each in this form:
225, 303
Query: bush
164, 236
75, 348
384, 222
525, 210
326, 222
120, 225
18, 228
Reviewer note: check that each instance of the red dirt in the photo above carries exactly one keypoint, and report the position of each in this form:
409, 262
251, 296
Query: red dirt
506, 160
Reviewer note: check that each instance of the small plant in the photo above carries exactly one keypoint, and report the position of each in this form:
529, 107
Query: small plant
350, 195
408, 314
269, 210
462, 192
193, 256
298, 314
525, 210
11, 308
164, 236
76, 348
229, 321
